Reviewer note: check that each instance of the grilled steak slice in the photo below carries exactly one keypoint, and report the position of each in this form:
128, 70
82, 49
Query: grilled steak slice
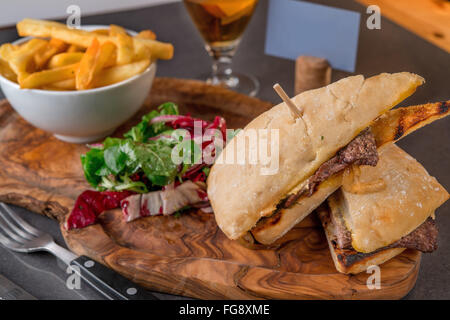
360, 151
423, 238
341, 235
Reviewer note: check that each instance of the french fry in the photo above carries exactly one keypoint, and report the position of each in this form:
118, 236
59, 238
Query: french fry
32, 45
47, 77
53, 47
32, 24
119, 73
21, 60
108, 55
125, 49
92, 63
146, 34
106, 77
64, 85
75, 48
85, 72
112, 61
115, 30
40, 28
104, 32
6, 71
64, 59
7, 50
142, 52
58, 44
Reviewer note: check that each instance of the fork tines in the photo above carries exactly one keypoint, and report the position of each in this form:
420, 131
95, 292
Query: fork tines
14, 231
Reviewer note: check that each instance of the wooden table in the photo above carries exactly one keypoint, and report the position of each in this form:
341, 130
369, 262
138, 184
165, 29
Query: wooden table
429, 19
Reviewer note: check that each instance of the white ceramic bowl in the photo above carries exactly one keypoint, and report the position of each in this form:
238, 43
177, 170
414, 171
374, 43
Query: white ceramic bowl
80, 116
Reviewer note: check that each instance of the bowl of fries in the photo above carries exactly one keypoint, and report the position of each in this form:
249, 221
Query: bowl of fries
79, 84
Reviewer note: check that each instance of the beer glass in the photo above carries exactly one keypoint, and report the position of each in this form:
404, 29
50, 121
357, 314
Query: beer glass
221, 24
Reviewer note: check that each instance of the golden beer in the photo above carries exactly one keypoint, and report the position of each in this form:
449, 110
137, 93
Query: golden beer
221, 22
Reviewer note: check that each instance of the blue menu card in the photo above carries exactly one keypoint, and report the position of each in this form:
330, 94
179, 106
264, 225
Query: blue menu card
297, 28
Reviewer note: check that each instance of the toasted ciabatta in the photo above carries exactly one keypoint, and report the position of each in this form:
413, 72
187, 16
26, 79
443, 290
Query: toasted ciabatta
351, 261
378, 219
389, 127
332, 116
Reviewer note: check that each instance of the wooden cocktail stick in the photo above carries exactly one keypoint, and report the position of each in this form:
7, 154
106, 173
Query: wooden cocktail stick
296, 112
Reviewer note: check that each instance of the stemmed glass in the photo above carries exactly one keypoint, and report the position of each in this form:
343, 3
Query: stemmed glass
221, 24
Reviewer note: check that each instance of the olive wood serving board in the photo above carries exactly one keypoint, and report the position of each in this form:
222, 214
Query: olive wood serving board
188, 255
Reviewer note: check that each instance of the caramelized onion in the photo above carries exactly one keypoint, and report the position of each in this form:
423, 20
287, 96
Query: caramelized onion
352, 184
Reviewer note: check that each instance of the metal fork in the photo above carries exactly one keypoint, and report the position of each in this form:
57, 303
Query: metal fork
17, 235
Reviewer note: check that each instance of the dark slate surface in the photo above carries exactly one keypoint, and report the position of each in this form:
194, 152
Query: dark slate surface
390, 49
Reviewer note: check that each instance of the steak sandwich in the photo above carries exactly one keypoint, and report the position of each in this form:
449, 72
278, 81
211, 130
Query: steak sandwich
342, 124
368, 227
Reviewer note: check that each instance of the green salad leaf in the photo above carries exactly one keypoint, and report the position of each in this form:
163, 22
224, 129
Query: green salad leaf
144, 130
92, 162
113, 165
156, 162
